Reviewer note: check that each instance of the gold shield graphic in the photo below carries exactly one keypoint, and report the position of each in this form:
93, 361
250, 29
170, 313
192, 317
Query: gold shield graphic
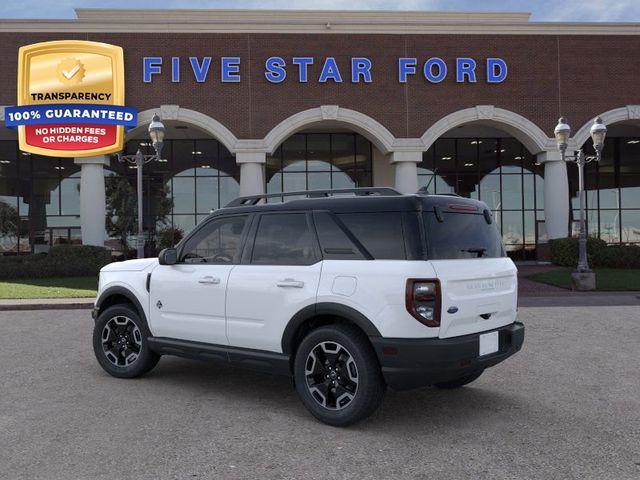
71, 72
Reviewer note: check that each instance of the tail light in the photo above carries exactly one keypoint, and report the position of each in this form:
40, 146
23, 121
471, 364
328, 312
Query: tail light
423, 301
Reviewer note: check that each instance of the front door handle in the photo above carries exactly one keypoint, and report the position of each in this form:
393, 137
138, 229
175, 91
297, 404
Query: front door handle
209, 280
290, 283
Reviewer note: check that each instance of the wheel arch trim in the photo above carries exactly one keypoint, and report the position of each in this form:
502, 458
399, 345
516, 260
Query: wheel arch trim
329, 309
125, 292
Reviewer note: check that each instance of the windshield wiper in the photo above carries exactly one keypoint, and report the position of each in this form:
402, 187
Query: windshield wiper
477, 250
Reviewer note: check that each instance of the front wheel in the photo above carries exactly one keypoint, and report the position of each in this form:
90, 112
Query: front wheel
337, 375
120, 343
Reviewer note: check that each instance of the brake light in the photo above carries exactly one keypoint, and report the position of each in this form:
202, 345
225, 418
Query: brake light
423, 301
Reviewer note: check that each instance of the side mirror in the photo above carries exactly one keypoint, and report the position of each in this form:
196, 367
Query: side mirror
168, 256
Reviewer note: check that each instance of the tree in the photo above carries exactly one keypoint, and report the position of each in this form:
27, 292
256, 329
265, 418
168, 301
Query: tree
122, 208
9, 221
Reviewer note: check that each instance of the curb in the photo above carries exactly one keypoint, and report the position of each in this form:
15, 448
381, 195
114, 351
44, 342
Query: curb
8, 307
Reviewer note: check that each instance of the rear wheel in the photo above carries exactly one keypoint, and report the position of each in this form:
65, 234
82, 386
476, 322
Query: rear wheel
120, 343
459, 382
338, 376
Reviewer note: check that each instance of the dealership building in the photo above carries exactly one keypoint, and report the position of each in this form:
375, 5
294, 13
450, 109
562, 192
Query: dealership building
277, 101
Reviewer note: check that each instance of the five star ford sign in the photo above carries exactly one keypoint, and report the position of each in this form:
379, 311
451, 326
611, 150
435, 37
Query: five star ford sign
70, 99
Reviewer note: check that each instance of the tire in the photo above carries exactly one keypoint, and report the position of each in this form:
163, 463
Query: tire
459, 382
120, 343
337, 375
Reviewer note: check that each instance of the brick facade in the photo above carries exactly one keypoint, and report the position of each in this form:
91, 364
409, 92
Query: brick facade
575, 75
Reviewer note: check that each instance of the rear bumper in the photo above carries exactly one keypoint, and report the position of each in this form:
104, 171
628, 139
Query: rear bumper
410, 363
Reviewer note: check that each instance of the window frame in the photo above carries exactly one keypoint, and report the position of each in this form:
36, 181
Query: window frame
247, 253
206, 225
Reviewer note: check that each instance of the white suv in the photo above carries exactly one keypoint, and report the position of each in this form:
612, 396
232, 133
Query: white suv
346, 294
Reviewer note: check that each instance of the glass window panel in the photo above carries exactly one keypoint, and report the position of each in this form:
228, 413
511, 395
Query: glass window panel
182, 163
512, 230
445, 184
363, 152
490, 191
342, 151
229, 189
512, 192
294, 182
445, 156
227, 164
530, 228
184, 222
528, 191
610, 226
218, 242
70, 196
183, 195
45, 166
207, 194
631, 226
380, 233
68, 221
467, 152
8, 159
283, 239
206, 157
604, 177
343, 180
630, 190
427, 161
488, 155
511, 155
274, 185
539, 180
426, 181
363, 178
319, 181
293, 153
467, 186
319, 152
629, 155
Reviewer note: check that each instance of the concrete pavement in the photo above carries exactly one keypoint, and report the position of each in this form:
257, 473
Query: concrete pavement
567, 406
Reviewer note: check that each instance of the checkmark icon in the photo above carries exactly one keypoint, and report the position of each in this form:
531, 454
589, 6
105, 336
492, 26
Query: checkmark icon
71, 73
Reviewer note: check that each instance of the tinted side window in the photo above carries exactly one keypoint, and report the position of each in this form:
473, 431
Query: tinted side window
217, 242
380, 233
334, 242
462, 235
284, 239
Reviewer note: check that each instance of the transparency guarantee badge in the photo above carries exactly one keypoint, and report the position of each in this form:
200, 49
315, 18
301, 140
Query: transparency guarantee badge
71, 99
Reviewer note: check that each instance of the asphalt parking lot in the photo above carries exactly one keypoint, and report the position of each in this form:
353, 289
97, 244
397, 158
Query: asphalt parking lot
567, 406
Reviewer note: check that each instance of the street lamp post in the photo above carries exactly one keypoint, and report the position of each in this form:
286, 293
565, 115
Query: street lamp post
562, 133
156, 133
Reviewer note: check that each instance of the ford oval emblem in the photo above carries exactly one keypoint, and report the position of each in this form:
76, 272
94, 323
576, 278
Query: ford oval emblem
452, 310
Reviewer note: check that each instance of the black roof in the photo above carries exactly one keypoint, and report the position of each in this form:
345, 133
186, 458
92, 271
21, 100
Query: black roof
373, 203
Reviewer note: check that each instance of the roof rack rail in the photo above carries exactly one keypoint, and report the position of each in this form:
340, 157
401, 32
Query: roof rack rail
359, 192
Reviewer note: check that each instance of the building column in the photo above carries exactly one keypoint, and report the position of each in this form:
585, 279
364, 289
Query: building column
556, 194
406, 170
251, 172
93, 207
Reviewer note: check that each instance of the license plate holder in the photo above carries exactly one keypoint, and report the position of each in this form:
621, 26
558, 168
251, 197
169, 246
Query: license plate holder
489, 343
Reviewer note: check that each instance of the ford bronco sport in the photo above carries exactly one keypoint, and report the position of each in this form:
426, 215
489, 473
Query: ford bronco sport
347, 291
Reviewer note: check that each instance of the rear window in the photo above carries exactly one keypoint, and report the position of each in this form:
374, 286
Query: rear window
461, 235
380, 233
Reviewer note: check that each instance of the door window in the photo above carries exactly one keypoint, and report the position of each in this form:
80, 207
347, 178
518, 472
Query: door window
217, 242
284, 239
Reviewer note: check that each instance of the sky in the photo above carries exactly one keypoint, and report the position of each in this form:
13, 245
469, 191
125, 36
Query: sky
542, 10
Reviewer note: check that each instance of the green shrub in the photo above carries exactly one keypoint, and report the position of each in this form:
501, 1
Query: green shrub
564, 252
169, 237
61, 261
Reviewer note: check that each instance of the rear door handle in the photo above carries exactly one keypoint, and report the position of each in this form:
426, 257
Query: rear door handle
290, 283
209, 280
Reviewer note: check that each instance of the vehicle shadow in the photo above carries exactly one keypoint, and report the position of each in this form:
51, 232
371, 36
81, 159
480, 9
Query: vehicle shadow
404, 410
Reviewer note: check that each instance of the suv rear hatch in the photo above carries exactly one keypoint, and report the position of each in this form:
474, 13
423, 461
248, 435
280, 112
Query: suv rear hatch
478, 283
